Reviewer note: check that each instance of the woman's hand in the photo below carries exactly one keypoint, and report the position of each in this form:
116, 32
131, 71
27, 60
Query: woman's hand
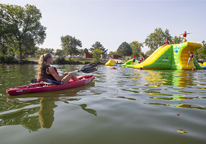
66, 73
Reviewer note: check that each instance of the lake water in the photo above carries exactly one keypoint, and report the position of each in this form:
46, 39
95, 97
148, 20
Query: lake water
121, 106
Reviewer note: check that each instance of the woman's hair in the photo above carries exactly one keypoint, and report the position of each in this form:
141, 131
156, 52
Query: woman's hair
42, 62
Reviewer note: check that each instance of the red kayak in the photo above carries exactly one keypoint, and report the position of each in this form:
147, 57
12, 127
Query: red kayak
42, 87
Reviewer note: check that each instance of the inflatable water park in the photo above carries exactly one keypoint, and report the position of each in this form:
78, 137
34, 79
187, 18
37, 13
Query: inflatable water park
170, 57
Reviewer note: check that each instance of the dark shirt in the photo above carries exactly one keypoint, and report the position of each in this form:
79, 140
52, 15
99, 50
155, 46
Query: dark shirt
45, 70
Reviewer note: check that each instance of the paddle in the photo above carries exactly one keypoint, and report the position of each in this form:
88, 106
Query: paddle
88, 68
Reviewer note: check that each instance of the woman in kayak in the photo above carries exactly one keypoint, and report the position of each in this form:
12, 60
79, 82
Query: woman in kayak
45, 69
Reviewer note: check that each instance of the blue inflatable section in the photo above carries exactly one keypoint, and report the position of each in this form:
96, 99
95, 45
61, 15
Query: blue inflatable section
117, 64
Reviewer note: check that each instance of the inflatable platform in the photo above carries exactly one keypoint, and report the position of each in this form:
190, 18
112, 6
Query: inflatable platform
130, 64
112, 63
174, 56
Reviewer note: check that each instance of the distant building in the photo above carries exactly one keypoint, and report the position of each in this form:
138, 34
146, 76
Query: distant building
116, 57
87, 55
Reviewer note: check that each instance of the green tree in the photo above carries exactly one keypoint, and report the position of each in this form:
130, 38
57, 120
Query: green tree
142, 55
149, 52
112, 53
177, 40
201, 53
59, 52
124, 49
85, 51
6, 38
97, 54
136, 48
70, 45
158, 38
24, 23
167, 36
49, 50
41, 51
28, 47
98, 45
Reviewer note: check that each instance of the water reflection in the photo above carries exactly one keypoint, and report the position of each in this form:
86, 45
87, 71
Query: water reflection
181, 131
22, 114
36, 111
176, 98
122, 97
189, 106
83, 106
157, 78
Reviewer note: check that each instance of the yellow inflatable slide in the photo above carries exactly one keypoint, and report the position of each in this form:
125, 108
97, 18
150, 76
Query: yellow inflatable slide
174, 56
110, 63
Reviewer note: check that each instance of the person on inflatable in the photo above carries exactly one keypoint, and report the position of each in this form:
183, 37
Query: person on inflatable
133, 59
45, 69
167, 42
190, 58
185, 35
140, 60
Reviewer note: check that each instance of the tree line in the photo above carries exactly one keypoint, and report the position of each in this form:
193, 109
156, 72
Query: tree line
21, 31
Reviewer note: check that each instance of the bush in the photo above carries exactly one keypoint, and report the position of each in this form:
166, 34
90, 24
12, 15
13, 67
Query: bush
7, 59
29, 62
85, 62
2, 60
60, 60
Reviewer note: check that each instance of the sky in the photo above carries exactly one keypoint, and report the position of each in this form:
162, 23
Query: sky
112, 22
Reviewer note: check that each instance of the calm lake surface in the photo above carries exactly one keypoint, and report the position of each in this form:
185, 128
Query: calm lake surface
121, 106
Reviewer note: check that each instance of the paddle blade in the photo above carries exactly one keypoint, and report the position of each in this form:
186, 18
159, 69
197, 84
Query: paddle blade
91, 67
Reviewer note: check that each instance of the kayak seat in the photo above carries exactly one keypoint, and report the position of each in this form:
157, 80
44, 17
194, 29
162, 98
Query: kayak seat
48, 79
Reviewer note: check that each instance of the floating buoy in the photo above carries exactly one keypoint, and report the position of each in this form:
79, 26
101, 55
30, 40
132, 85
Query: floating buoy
113, 68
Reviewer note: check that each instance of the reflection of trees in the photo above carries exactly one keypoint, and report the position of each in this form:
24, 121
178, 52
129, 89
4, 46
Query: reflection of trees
83, 106
91, 111
26, 116
22, 117
20, 114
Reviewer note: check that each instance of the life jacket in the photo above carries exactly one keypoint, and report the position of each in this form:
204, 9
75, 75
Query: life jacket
45, 74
